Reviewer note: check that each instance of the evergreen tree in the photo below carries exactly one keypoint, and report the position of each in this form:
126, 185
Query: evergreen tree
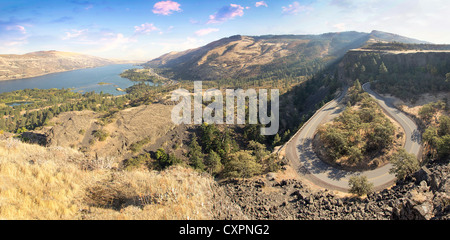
383, 69
213, 163
443, 147
195, 154
363, 69
276, 140
162, 158
259, 151
357, 86
444, 125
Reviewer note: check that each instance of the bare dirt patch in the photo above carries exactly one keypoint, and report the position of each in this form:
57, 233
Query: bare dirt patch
414, 108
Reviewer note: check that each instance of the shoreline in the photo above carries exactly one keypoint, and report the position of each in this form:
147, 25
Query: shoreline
45, 74
62, 71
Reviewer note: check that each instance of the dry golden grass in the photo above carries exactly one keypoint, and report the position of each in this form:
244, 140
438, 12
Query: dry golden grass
177, 193
50, 183
34, 184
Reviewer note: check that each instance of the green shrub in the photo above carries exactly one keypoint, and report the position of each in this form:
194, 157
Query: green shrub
242, 164
165, 160
404, 164
213, 163
137, 146
137, 162
360, 185
100, 135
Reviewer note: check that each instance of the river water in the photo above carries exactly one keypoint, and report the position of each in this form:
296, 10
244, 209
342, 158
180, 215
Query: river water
83, 80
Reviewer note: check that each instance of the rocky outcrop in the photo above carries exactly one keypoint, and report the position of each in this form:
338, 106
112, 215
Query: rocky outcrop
290, 199
267, 198
430, 199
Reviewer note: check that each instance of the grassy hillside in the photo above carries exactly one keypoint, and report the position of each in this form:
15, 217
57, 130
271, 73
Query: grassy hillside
241, 57
60, 183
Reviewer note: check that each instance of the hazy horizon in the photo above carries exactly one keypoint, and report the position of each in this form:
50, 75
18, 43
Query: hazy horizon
143, 30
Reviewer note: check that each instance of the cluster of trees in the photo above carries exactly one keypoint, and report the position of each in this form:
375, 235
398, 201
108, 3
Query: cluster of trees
437, 136
405, 76
213, 151
28, 116
404, 164
299, 103
158, 160
219, 154
141, 75
48, 103
358, 132
398, 46
37, 97
17, 117
364, 66
428, 111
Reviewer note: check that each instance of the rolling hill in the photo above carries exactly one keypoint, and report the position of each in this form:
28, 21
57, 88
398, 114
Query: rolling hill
45, 62
250, 56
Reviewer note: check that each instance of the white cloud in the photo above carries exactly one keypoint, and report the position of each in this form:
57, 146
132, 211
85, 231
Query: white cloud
98, 41
18, 28
13, 34
295, 8
166, 8
74, 33
206, 31
145, 28
114, 41
261, 4
227, 13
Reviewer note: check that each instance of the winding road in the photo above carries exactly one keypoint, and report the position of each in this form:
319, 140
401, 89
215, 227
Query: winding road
300, 153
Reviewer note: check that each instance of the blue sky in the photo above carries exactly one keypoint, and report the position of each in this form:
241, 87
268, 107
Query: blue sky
144, 29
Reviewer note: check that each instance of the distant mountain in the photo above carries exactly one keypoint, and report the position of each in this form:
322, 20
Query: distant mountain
378, 36
248, 56
45, 62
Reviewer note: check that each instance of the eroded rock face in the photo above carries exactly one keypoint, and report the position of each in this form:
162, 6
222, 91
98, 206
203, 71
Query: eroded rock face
416, 205
267, 198
430, 199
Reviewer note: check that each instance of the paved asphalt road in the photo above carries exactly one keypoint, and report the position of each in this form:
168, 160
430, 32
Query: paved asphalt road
301, 155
